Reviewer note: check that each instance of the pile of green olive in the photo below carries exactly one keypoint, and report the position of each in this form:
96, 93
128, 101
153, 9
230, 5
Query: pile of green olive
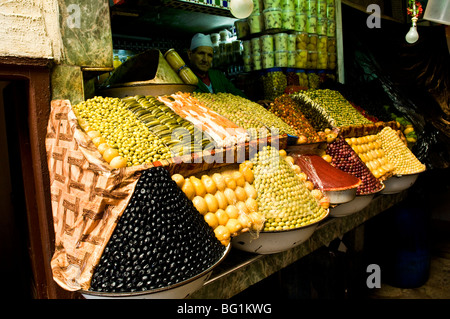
283, 198
121, 129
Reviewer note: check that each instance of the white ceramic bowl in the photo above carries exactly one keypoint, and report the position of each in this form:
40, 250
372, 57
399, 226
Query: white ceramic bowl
351, 207
398, 183
274, 241
177, 291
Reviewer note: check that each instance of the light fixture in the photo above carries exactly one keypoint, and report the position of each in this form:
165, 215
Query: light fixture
241, 8
414, 10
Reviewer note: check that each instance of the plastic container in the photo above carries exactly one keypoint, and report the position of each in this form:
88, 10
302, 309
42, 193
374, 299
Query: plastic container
312, 42
301, 58
247, 60
291, 59
322, 43
301, 6
302, 40
287, 5
300, 22
256, 23
258, 6
281, 41
322, 26
331, 28
271, 4
256, 45
272, 18
311, 7
331, 12
321, 9
267, 43
291, 42
247, 45
174, 59
268, 59
322, 59
281, 59
242, 28
288, 19
331, 44
332, 61
311, 24
311, 63
302, 78
256, 61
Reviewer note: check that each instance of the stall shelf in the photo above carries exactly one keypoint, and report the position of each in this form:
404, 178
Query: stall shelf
240, 269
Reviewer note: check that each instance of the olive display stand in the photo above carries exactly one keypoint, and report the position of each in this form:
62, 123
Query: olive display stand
240, 269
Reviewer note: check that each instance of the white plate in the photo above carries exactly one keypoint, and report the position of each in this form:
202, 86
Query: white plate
272, 242
398, 183
177, 291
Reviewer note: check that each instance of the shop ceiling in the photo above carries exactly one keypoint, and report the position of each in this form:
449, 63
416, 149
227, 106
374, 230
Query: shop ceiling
139, 18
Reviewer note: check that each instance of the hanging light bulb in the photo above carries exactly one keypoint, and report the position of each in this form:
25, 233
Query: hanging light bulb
241, 8
412, 36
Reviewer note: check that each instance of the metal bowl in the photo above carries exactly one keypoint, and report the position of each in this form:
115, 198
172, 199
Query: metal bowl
341, 196
398, 183
351, 207
177, 291
272, 242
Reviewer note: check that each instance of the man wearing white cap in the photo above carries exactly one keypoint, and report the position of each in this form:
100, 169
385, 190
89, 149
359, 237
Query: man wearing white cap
210, 81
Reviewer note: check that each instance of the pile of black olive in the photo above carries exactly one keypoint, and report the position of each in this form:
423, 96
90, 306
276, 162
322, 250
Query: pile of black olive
160, 240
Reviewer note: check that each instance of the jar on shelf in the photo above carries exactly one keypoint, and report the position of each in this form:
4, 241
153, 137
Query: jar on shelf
291, 59
331, 44
302, 78
287, 4
311, 24
256, 45
272, 18
322, 59
301, 6
267, 43
311, 62
331, 12
322, 26
311, 7
242, 28
247, 46
256, 61
312, 42
271, 4
281, 41
332, 61
281, 59
288, 19
258, 6
274, 83
321, 8
291, 77
291, 42
331, 28
256, 23
268, 59
247, 60
300, 22
322, 43
301, 58
301, 41
215, 38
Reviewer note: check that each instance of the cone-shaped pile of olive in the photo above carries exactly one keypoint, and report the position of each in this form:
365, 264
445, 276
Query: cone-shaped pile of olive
283, 197
160, 240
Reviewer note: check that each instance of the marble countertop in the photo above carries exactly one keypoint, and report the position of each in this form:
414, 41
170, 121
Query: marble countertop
239, 270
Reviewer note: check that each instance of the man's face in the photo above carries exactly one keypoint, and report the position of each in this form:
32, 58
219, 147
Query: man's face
201, 58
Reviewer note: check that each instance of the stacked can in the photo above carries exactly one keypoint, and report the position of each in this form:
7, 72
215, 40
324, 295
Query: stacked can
331, 35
